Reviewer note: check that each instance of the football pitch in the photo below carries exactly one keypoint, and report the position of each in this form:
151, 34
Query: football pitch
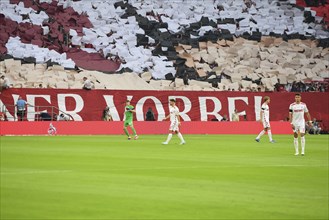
211, 177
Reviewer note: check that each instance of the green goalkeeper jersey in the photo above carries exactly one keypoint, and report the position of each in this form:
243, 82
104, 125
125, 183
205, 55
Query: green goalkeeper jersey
129, 115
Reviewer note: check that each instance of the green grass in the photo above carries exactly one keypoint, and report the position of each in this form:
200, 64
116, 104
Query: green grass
211, 177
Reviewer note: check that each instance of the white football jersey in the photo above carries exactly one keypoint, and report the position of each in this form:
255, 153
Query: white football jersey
298, 111
266, 112
174, 112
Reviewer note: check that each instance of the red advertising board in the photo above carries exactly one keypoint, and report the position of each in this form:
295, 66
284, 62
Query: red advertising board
142, 127
85, 105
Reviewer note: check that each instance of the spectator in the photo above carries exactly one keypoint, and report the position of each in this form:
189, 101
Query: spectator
311, 88
63, 117
288, 87
106, 114
2, 116
224, 118
293, 87
44, 116
21, 108
87, 84
315, 129
235, 115
315, 3
149, 115
322, 88
5, 84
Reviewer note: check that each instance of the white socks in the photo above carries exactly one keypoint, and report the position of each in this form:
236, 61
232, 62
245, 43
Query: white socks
269, 133
296, 145
169, 138
302, 140
181, 137
260, 134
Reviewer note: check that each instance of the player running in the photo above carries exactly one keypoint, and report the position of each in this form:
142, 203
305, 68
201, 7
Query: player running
265, 120
129, 110
296, 118
174, 122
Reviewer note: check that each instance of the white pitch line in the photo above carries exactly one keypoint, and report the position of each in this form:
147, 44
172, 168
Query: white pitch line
204, 167
36, 172
158, 168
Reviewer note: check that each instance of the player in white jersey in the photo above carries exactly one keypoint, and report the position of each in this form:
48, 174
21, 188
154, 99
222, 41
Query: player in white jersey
296, 118
174, 122
265, 120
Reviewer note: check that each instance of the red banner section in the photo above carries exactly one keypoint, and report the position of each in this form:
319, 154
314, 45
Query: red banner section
142, 128
194, 105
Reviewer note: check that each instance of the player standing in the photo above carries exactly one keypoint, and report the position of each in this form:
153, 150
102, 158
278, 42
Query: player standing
296, 118
174, 122
265, 120
129, 110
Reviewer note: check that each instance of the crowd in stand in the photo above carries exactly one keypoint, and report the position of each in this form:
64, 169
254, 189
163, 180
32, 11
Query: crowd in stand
303, 87
315, 3
130, 38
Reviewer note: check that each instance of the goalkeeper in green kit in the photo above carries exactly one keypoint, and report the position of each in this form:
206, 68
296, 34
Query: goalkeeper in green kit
129, 111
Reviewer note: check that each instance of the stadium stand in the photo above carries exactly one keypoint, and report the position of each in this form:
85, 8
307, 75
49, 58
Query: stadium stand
194, 45
243, 66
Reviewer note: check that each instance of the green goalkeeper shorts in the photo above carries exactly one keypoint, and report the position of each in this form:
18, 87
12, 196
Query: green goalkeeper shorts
128, 123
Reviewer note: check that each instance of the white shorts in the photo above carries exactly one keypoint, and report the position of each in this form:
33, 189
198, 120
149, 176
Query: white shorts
174, 126
266, 124
300, 128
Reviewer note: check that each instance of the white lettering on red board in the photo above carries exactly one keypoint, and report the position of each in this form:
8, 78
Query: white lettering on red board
204, 111
79, 104
186, 106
